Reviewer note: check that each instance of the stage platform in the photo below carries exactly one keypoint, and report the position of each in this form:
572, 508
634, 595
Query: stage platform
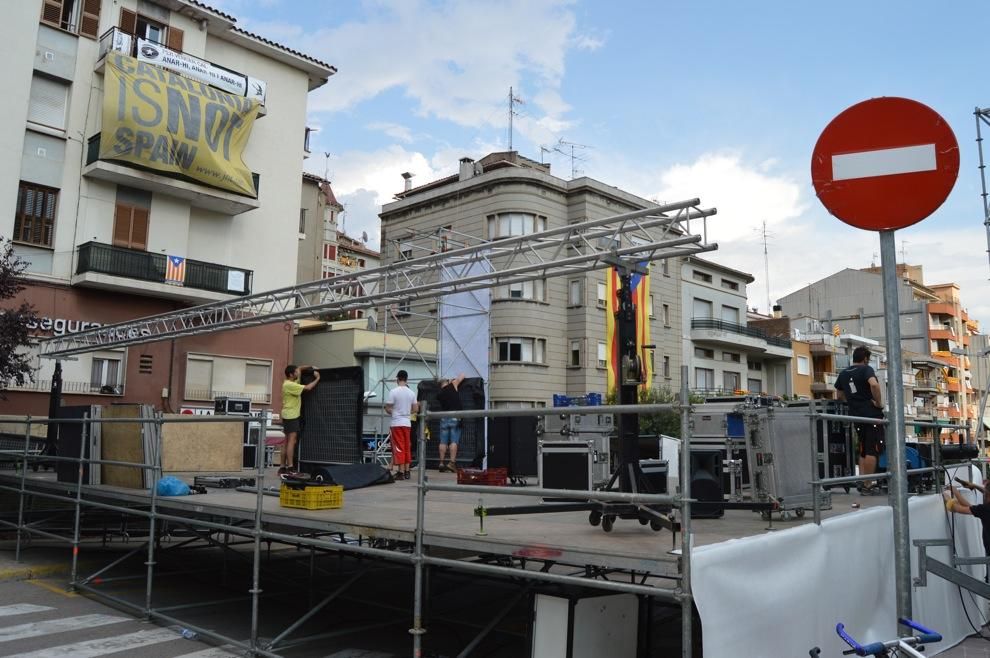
388, 512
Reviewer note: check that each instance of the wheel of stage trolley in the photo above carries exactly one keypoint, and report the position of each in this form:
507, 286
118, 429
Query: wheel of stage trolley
607, 522
595, 518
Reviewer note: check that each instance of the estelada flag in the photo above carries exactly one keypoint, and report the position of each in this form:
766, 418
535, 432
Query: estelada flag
175, 270
640, 284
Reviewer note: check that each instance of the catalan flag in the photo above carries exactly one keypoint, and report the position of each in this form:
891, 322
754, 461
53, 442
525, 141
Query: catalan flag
641, 299
175, 270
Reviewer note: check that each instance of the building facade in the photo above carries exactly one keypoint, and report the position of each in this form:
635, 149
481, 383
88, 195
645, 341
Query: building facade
134, 223
546, 336
936, 335
725, 354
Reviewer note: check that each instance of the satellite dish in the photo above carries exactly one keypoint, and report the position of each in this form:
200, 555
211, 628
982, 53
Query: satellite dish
364, 236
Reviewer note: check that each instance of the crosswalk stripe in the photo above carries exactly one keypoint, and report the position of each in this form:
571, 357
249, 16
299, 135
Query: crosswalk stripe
21, 631
22, 609
103, 646
212, 652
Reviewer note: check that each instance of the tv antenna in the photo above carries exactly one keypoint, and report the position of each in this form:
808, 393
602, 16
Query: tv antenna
513, 100
904, 251
326, 165
766, 263
544, 149
561, 148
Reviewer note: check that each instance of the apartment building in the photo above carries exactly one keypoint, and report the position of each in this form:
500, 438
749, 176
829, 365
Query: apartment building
936, 335
724, 353
151, 158
546, 336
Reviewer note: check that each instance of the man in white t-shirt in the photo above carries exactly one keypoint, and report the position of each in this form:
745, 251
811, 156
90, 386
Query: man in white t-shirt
401, 403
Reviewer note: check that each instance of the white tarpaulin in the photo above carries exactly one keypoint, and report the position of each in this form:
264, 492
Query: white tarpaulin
464, 325
781, 593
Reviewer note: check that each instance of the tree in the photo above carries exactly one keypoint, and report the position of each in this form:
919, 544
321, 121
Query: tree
15, 360
664, 422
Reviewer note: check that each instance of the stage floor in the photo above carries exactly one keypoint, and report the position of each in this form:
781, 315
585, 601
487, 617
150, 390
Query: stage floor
389, 512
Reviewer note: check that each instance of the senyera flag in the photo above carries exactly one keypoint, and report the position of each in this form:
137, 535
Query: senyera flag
640, 284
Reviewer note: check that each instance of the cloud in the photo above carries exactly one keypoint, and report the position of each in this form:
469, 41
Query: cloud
393, 130
455, 61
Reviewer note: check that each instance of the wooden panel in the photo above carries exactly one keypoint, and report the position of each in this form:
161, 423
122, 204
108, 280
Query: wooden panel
89, 22
122, 225
173, 37
51, 12
202, 447
122, 442
139, 228
128, 21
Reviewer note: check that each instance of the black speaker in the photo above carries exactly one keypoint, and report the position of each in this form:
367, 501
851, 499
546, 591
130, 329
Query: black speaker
959, 451
73, 441
332, 418
655, 473
706, 483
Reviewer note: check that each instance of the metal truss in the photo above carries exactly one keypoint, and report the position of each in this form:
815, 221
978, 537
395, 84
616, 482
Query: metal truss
983, 117
646, 235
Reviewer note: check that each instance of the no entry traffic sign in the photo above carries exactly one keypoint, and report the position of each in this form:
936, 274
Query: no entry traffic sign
885, 163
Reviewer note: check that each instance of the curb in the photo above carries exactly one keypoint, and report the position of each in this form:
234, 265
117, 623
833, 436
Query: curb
29, 572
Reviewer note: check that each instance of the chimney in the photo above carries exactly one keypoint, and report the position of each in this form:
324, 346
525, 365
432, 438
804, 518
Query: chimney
467, 168
777, 311
408, 179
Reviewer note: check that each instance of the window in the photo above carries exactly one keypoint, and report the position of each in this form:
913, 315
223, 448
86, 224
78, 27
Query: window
532, 290
518, 404
602, 298
34, 220
731, 356
575, 292
602, 355
666, 315
511, 224
77, 16
130, 218
730, 285
199, 379
701, 276
47, 102
704, 378
329, 251
702, 308
702, 353
731, 381
755, 365
575, 354
209, 377
666, 367
665, 267
803, 366
257, 379
105, 376
649, 308
521, 350
730, 314
151, 29
302, 222
754, 385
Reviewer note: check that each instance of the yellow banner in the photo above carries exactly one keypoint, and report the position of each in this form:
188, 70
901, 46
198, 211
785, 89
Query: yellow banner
164, 121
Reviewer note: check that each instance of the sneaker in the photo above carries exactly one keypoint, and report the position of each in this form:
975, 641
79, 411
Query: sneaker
405, 475
445, 468
452, 467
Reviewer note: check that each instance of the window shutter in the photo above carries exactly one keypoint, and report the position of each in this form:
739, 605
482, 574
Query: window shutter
122, 226
51, 12
128, 21
139, 228
47, 102
173, 37
89, 23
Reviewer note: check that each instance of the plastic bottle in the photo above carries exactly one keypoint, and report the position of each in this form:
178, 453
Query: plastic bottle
189, 635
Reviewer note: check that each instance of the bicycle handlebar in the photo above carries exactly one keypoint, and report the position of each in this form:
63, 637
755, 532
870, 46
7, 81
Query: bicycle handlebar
927, 636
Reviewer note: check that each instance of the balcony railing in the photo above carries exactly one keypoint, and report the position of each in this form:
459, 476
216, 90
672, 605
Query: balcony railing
93, 154
70, 387
210, 394
146, 266
826, 378
722, 325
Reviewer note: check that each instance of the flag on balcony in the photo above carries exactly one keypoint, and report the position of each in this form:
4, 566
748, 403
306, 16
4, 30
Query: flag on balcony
641, 299
175, 270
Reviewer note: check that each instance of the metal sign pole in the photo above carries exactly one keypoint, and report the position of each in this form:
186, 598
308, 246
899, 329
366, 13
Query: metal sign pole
896, 454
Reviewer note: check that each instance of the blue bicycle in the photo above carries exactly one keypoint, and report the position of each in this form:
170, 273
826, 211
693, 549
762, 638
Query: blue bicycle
908, 645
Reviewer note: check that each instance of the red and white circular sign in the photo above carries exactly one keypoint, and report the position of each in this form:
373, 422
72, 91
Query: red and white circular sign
885, 164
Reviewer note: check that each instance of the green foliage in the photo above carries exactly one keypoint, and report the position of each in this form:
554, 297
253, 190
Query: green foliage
664, 422
15, 360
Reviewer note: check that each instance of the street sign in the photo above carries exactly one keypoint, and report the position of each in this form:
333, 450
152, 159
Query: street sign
885, 164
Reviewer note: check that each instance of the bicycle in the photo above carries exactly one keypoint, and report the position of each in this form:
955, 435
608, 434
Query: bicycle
906, 646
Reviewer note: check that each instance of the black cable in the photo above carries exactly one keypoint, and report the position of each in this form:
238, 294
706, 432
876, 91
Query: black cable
950, 522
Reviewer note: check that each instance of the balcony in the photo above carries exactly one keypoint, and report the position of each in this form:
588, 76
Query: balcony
209, 395
740, 337
942, 334
942, 308
69, 388
926, 384
823, 381
143, 273
947, 357
197, 194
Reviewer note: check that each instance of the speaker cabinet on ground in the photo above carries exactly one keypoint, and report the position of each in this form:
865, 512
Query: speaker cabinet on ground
512, 445
332, 418
706, 483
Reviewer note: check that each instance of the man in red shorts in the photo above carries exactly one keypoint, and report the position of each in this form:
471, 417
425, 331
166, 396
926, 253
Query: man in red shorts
401, 403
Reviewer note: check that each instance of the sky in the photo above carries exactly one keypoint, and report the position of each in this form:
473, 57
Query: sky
721, 100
